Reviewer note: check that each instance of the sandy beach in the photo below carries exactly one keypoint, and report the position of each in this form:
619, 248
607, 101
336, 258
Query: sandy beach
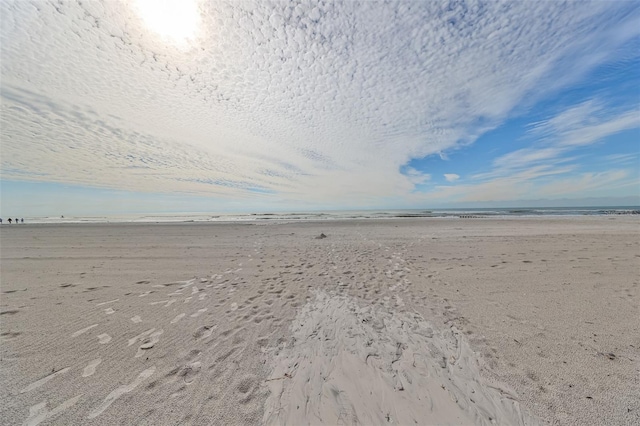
407, 321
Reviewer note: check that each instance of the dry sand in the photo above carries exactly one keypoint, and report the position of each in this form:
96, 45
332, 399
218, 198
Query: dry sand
431, 321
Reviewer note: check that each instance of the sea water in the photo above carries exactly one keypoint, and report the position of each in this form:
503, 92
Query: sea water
340, 215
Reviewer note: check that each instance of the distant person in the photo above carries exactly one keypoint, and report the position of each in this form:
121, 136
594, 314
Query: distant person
21, 220
9, 221
17, 220
0, 220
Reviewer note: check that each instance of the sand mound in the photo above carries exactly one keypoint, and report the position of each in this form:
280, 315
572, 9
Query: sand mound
365, 364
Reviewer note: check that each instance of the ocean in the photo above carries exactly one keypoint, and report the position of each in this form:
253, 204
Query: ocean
340, 215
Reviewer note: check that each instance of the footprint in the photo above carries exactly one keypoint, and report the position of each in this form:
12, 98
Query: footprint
186, 284
117, 393
44, 380
109, 311
146, 293
91, 367
234, 306
39, 413
149, 343
190, 371
105, 303
8, 335
200, 312
187, 300
204, 331
140, 336
136, 319
84, 330
177, 318
104, 338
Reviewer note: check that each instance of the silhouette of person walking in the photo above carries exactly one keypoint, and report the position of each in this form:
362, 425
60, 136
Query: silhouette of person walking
9, 221
22, 220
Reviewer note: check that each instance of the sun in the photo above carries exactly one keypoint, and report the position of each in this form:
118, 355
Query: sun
174, 20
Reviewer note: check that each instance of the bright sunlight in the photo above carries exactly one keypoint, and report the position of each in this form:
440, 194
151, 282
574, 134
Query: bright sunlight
174, 20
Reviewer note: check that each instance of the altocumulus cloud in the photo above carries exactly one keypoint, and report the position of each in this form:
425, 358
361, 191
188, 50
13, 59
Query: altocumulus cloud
296, 100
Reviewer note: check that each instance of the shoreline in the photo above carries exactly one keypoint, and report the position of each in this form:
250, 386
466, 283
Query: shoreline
546, 305
341, 220
470, 213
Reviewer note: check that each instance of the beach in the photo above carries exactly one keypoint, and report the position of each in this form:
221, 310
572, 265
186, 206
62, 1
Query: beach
516, 320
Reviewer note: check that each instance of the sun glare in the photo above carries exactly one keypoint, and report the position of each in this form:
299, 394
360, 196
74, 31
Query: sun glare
174, 20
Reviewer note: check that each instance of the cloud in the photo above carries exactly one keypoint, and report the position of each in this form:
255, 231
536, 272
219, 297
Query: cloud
417, 177
622, 158
587, 123
550, 167
451, 177
538, 182
585, 182
315, 103
510, 187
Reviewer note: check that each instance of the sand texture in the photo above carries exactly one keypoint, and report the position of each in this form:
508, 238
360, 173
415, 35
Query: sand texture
432, 321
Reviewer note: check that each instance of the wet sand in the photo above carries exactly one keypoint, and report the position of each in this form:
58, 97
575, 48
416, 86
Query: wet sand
429, 321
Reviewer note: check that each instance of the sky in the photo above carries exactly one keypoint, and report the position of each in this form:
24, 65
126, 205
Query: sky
136, 106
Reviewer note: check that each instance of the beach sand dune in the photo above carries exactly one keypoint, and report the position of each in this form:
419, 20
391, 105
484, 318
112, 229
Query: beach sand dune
447, 321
